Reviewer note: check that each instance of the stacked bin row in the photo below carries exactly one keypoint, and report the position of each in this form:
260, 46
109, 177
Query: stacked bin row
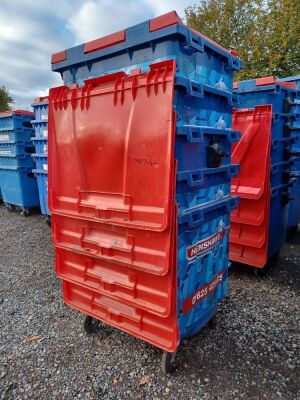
279, 98
141, 224
40, 126
294, 207
17, 182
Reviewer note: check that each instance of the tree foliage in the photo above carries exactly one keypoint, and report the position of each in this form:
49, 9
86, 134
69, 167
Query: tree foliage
6, 100
265, 33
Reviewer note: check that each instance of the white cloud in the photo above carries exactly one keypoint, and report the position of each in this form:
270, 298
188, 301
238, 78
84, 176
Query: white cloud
98, 18
160, 7
32, 30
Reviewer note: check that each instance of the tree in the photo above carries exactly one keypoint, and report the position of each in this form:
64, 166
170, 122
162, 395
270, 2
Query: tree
6, 100
265, 33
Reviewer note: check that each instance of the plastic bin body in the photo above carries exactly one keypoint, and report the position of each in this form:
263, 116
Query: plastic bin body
294, 206
42, 182
40, 141
16, 153
285, 100
250, 223
16, 120
19, 186
41, 146
279, 209
147, 237
197, 58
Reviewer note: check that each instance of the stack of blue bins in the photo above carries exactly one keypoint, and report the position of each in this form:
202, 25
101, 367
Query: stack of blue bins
283, 154
203, 102
17, 182
40, 126
294, 209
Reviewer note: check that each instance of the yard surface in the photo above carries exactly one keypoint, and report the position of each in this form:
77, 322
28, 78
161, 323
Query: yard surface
253, 353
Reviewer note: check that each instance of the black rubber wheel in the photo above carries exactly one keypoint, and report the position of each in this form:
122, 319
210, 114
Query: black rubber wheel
212, 323
27, 212
90, 324
275, 257
10, 207
260, 272
48, 221
168, 362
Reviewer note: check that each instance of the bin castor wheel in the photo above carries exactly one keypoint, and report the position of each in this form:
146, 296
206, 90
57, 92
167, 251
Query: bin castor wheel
90, 325
212, 323
10, 207
260, 272
27, 212
48, 221
168, 362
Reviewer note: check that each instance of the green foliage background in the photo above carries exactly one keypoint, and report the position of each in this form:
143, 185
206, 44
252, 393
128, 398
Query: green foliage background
265, 33
5, 99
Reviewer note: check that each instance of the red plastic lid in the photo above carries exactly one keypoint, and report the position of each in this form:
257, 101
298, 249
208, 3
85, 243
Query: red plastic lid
58, 57
168, 19
41, 99
163, 21
269, 80
106, 41
25, 112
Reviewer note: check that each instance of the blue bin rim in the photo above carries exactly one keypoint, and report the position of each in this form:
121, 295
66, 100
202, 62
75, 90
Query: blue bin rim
39, 155
24, 155
40, 171
39, 139
39, 121
15, 169
15, 141
43, 103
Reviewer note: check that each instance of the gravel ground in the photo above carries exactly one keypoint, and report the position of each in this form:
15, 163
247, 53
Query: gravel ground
253, 353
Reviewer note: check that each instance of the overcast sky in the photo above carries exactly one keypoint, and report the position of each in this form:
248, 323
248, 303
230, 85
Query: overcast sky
31, 30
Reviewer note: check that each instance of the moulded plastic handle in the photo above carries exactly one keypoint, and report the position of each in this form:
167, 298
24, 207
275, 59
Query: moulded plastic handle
232, 98
196, 216
196, 219
234, 201
195, 178
195, 134
195, 89
295, 174
274, 169
295, 151
236, 62
194, 42
235, 136
192, 88
235, 100
234, 170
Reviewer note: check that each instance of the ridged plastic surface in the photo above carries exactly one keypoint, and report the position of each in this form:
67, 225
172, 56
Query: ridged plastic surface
249, 235
134, 154
115, 233
18, 186
197, 57
40, 157
17, 181
285, 148
139, 178
294, 206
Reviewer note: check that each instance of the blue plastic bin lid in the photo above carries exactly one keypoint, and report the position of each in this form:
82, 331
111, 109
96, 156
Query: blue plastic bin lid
165, 27
25, 113
295, 79
268, 83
